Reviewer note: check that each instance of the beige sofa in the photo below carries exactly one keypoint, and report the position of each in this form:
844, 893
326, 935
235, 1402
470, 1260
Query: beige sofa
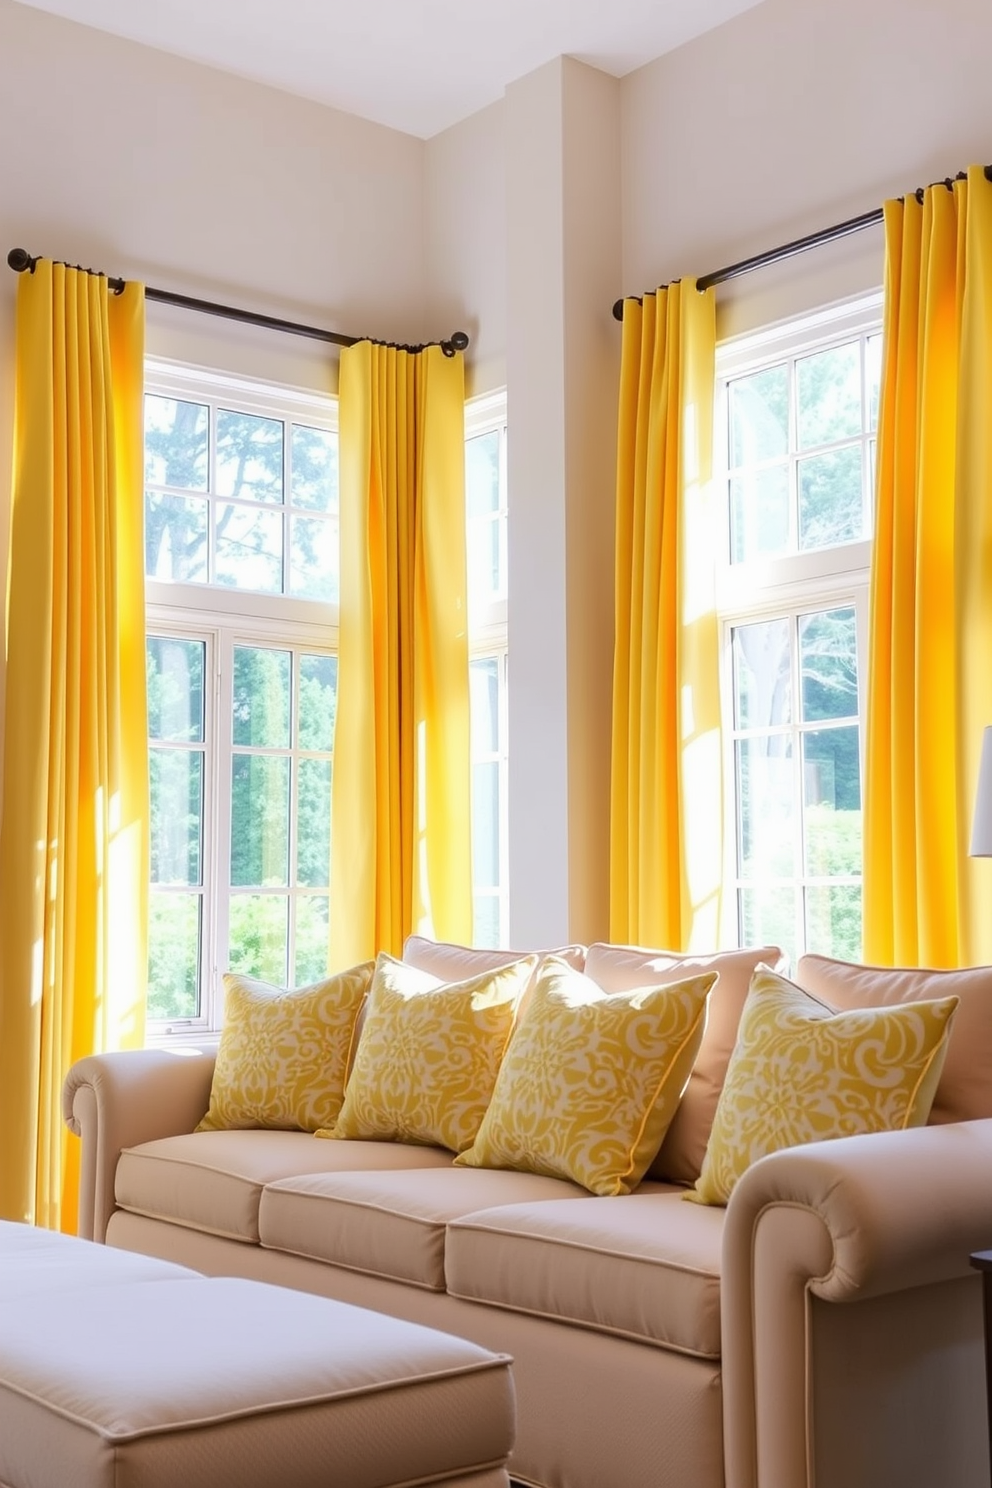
824, 1330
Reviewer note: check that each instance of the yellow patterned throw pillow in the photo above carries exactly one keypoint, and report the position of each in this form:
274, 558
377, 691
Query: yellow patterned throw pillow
428, 1054
283, 1055
591, 1080
802, 1072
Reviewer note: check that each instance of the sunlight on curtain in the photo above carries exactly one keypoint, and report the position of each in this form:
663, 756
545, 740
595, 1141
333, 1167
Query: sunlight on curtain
930, 660
73, 844
401, 791
666, 841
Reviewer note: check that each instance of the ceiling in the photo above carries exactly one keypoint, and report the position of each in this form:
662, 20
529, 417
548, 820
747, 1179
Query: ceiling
414, 65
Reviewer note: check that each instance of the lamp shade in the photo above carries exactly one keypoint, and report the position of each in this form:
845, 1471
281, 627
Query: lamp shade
981, 829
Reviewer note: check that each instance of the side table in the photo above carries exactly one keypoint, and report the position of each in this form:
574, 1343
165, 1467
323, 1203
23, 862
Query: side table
982, 1261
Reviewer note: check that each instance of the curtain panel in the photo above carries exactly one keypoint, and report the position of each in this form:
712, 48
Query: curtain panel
73, 841
930, 648
666, 838
401, 788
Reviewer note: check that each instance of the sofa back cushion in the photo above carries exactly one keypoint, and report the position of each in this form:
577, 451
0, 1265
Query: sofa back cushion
618, 968
450, 962
964, 1091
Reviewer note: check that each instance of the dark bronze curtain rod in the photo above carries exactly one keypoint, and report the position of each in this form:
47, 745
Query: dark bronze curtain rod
19, 260
800, 245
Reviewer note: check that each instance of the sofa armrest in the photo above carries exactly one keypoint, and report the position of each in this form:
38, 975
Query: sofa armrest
888, 1219
117, 1100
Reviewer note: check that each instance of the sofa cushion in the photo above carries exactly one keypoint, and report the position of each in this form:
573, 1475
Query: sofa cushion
802, 1072
284, 1054
591, 1081
452, 963
388, 1224
213, 1181
645, 1267
429, 1053
964, 1090
618, 968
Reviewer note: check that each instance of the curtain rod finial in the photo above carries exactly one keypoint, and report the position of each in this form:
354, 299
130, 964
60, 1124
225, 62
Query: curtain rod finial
458, 341
618, 310
19, 259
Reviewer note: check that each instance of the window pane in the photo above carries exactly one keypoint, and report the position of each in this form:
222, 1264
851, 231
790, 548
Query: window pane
314, 558
318, 701
762, 674
759, 416
873, 373
261, 697
483, 559
759, 513
833, 920
828, 664
768, 916
175, 538
831, 499
312, 937
175, 689
249, 548
258, 936
485, 929
249, 456
485, 824
484, 701
832, 797
314, 478
482, 475
173, 955
175, 443
828, 388
766, 808
313, 824
176, 791
259, 821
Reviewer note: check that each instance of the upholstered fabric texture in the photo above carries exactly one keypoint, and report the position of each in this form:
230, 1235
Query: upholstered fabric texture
591, 1082
802, 1072
428, 1054
284, 1054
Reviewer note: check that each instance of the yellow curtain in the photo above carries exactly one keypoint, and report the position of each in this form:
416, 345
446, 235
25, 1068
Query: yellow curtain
930, 648
401, 793
666, 840
73, 847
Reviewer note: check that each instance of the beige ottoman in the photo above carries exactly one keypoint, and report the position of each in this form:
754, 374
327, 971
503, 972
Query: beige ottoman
119, 1371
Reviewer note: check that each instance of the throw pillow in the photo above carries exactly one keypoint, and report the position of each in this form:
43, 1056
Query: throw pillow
284, 1054
428, 1054
619, 968
802, 1072
590, 1081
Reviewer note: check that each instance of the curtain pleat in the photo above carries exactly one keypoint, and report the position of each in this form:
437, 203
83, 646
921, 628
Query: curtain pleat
930, 642
666, 842
73, 841
401, 792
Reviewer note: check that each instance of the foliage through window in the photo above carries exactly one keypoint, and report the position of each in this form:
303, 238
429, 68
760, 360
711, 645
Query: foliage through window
796, 442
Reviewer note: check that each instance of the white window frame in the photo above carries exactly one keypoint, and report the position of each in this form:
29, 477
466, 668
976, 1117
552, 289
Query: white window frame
488, 635
226, 617
790, 585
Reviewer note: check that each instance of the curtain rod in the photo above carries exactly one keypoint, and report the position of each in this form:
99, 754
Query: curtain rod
800, 245
19, 260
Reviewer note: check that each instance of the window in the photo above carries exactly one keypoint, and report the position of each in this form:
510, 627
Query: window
796, 425
241, 550
241, 557
485, 494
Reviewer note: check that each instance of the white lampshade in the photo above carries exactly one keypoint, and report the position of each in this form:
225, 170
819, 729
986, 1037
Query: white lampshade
981, 830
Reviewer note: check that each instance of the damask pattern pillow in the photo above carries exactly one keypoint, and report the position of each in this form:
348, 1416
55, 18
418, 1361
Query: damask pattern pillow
283, 1056
591, 1081
802, 1072
428, 1055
